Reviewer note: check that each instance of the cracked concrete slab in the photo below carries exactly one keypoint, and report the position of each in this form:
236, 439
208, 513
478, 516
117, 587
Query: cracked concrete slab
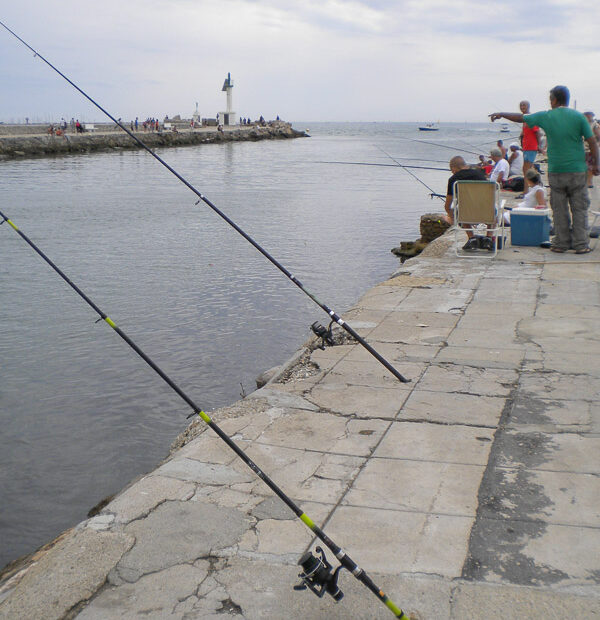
371, 373
517, 603
203, 473
453, 408
324, 432
437, 443
419, 486
566, 452
263, 591
558, 386
361, 401
137, 500
309, 476
178, 533
155, 596
415, 542
55, 583
482, 356
278, 398
468, 379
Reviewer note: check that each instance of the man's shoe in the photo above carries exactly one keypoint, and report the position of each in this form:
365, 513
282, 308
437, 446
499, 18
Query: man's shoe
487, 243
472, 244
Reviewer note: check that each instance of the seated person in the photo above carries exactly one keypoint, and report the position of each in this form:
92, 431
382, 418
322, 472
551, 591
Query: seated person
500, 171
515, 161
536, 194
535, 197
462, 172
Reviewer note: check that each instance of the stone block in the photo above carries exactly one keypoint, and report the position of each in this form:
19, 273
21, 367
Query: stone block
453, 408
436, 442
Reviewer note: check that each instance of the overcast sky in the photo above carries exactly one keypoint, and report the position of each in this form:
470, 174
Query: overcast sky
309, 60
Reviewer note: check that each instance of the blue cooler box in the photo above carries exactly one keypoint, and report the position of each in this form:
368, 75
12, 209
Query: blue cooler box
529, 226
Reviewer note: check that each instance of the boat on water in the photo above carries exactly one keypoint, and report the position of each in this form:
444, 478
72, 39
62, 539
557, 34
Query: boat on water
504, 128
429, 127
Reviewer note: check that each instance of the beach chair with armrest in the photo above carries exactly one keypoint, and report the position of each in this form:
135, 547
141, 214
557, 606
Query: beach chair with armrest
476, 203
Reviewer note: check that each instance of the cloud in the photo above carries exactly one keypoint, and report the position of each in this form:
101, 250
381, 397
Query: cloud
312, 60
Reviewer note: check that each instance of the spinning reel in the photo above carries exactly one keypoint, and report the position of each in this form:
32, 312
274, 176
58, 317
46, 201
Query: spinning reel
323, 333
319, 575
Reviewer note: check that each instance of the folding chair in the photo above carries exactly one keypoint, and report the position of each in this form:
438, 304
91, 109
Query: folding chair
476, 203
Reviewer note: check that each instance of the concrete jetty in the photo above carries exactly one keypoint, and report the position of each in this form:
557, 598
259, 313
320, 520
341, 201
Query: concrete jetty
470, 492
22, 141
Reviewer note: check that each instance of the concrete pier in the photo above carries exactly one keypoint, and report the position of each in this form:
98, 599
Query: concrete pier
470, 492
33, 141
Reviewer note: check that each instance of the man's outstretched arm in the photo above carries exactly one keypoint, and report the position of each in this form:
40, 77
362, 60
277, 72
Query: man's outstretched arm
515, 117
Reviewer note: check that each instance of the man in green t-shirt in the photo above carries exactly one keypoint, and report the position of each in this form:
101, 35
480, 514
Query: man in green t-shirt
567, 167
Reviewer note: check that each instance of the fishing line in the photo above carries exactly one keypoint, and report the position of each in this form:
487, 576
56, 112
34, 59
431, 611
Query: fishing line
319, 573
334, 316
443, 146
363, 163
433, 193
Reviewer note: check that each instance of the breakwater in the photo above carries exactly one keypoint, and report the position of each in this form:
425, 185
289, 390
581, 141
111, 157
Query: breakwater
15, 145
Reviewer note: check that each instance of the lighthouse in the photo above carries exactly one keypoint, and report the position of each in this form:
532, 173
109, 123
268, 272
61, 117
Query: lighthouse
229, 115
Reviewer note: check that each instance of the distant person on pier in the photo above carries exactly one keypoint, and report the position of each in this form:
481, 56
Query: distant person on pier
136, 123
502, 148
567, 168
530, 142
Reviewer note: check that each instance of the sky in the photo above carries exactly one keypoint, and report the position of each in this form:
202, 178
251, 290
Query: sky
304, 60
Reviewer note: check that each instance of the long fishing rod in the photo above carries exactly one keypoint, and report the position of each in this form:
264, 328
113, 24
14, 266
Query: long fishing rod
334, 316
444, 146
433, 193
318, 574
363, 163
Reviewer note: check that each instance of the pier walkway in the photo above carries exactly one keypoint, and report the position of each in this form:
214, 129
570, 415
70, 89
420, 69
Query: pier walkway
471, 492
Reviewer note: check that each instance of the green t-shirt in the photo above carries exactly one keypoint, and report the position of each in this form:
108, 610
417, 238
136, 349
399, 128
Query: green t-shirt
564, 128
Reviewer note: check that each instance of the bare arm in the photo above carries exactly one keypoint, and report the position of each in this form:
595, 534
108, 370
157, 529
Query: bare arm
595, 153
448, 208
515, 117
540, 196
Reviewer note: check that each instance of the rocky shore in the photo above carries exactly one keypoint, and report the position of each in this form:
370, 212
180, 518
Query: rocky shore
23, 141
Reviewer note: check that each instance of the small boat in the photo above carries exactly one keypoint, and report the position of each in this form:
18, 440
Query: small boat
504, 128
429, 127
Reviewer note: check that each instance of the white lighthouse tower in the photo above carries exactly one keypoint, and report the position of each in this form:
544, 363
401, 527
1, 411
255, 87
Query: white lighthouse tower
228, 117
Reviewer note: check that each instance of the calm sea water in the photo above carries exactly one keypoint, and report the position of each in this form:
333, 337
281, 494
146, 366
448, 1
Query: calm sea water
80, 413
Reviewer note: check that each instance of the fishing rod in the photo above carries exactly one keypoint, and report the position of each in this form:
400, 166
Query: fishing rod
444, 146
432, 194
334, 316
363, 163
318, 576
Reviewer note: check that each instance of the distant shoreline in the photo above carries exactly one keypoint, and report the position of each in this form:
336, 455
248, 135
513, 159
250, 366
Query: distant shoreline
26, 141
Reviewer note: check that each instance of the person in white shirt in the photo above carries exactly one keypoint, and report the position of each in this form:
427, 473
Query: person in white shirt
515, 161
500, 171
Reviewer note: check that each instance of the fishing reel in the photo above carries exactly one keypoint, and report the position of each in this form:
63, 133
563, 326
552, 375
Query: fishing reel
323, 333
319, 576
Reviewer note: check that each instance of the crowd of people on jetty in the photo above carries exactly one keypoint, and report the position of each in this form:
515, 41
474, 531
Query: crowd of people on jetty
150, 124
570, 141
